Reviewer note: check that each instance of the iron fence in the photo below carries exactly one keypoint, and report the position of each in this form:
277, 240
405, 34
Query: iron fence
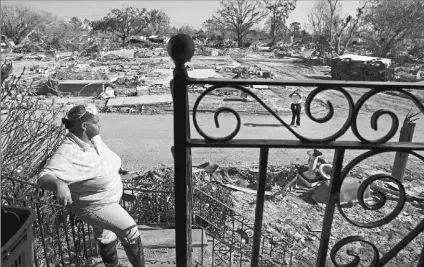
230, 234
233, 234
181, 49
60, 238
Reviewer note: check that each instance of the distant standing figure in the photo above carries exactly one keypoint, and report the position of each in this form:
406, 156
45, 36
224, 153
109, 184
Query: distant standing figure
296, 107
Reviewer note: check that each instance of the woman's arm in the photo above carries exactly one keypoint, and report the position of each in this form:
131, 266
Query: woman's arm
295, 92
56, 176
50, 182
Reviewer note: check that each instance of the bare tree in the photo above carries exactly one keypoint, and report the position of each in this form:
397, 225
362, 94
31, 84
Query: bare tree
331, 28
281, 30
76, 24
187, 29
86, 25
239, 16
31, 131
333, 7
123, 22
17, 21
345, 29
158, 21
388, 23
213, 28
279, 11
319, 18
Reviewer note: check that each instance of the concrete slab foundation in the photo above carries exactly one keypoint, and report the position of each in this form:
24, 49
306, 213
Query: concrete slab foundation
82, 87
139, 100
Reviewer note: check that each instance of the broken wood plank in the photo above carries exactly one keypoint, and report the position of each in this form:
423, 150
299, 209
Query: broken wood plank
401, 159
245, 190
292, 181
394, 192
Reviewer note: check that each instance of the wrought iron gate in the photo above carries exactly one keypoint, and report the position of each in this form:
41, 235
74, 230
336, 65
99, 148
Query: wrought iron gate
181, 49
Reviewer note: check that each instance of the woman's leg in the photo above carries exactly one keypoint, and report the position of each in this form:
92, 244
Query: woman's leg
113, 218
293, 110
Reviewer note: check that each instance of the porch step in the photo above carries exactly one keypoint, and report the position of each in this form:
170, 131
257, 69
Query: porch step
165, 238
159, 247
161, 257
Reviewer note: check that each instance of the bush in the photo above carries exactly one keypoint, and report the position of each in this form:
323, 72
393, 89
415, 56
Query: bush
30, 134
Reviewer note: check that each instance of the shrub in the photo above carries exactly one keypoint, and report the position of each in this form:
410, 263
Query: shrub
30, 134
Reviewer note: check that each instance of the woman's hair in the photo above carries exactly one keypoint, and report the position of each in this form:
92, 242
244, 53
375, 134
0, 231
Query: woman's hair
75, 116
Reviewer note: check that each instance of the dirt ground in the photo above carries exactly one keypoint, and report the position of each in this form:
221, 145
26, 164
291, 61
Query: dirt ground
144, 142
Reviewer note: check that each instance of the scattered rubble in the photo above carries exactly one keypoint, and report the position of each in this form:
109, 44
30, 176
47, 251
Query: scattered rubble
294, 213
410, 73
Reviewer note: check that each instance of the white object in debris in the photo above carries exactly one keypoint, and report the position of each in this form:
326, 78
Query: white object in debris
110, 91
140, 100
126, 53
104, 95
203, 73
365, 58
260, 86
214, 52
420, 75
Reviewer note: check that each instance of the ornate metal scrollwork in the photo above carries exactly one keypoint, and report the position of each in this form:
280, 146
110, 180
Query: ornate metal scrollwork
382, 197
377, 114
356, 259
351, 120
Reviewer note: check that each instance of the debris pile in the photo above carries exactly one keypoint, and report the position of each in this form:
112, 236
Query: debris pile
245, 72
89, 48
410, 73
46, 86
281, 52
362, 68
158, 89
210, 51
128, 81
75, 74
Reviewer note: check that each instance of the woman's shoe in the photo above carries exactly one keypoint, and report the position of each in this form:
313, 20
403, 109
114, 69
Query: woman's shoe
109, 254
135, 253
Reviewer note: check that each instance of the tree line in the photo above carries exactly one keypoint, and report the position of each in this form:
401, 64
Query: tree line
383, 27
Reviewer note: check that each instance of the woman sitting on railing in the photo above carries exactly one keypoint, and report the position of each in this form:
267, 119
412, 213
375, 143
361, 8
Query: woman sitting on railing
84, 172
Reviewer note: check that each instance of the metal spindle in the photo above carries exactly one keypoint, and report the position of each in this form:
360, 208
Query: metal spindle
260, 199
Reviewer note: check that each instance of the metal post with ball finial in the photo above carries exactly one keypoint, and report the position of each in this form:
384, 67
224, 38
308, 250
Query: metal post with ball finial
181, 50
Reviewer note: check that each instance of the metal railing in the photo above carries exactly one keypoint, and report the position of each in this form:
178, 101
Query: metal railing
230, 233
234, 232
181, 50
60, 238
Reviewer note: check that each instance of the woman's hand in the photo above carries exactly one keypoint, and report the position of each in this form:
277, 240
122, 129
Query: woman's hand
63, 194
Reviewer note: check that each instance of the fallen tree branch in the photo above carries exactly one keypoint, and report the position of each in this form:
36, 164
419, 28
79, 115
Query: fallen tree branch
394, 192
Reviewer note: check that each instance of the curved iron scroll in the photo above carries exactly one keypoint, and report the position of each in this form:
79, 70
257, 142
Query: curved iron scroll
382, 197
350, 121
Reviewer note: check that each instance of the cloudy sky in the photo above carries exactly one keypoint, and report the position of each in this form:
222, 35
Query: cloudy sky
193, 13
